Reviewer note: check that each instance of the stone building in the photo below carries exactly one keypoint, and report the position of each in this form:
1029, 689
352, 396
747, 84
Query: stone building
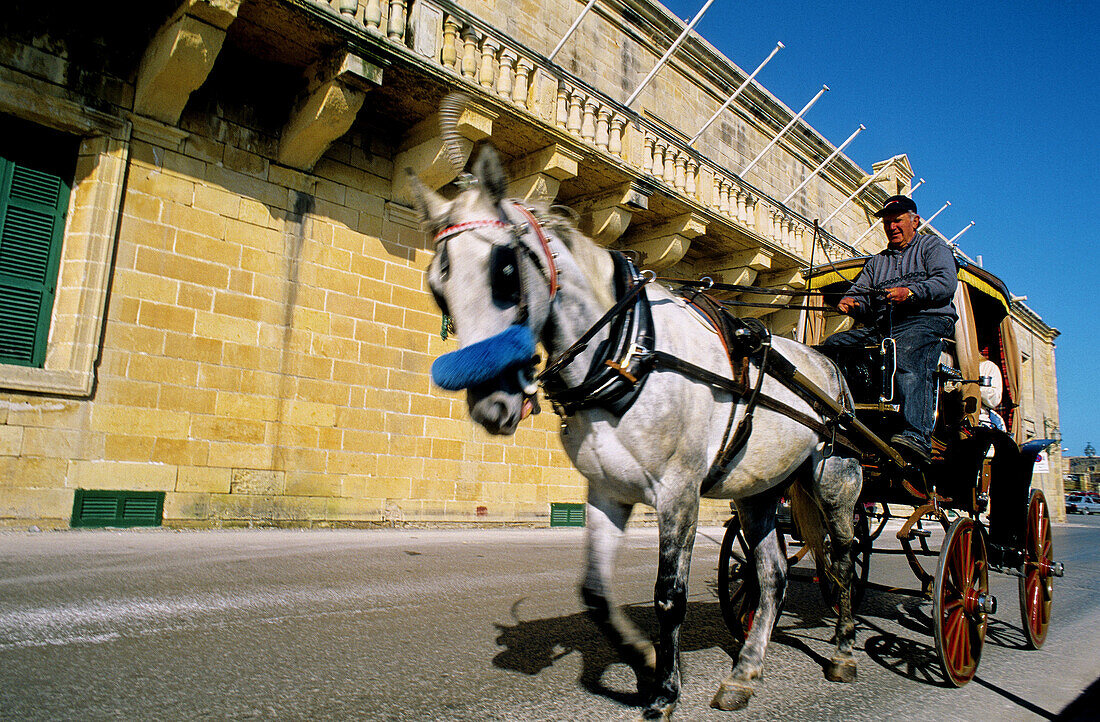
1082, 473
1039, 398
214, 300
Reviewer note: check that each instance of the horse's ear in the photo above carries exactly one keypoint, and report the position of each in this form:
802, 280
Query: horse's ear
489, 172
432, 206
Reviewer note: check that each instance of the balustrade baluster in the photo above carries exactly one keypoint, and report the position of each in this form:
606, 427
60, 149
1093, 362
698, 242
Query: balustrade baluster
603, 132
507, 71
680, 174
396, 24
372, 16
647, 152
659, 149
522, 84
486, 74
563, 106
449, 54
469, 54
576, 100
615, 142
588, 122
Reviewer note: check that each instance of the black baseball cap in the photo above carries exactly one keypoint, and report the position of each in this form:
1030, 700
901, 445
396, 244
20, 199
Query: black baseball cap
897, 204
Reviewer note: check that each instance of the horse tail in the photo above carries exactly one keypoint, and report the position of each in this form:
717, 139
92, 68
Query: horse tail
807, 515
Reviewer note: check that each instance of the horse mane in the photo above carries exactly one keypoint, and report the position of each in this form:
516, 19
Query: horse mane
595, 262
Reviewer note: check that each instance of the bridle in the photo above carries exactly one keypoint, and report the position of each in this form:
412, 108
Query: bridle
507, 279
517, 230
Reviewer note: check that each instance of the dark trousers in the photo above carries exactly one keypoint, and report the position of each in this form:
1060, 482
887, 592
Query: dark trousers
918, 354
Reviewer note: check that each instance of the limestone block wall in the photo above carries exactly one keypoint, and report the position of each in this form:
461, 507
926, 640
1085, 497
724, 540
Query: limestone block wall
1039, 399
242, 320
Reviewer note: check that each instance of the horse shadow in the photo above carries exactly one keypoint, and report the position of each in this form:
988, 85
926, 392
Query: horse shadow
531, 646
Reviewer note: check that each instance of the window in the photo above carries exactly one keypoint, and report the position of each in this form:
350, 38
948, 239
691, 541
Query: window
36, 175
88, 151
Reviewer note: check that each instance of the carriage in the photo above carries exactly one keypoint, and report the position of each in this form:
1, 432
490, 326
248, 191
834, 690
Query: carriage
666, 398
976, 487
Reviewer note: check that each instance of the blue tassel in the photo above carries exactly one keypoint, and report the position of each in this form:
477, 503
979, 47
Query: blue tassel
479, 362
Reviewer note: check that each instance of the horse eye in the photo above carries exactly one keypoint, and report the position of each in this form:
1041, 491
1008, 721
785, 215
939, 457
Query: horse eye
504, 275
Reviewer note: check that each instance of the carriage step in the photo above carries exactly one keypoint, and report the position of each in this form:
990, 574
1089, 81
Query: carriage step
921, 533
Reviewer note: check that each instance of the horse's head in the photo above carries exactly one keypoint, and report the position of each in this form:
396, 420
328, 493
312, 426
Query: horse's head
494, 276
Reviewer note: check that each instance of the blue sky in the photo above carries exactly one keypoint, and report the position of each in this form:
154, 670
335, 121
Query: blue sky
996, 106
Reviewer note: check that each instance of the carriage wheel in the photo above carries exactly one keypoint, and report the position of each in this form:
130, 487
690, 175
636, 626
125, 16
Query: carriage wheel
961, 600
1037, 582
738, 588
861, 564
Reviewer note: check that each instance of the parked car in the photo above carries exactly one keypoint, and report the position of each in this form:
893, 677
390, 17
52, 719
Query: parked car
1082, 504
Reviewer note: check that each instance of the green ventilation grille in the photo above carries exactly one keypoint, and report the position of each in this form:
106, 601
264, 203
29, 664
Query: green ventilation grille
117, 508
564, 514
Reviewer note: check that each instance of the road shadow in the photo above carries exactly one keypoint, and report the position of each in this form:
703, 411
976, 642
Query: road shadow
531, 646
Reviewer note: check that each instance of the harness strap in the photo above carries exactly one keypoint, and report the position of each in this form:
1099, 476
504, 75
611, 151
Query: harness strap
672, 363
566, 357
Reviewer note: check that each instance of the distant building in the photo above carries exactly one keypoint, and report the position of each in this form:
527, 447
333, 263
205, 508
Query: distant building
1082, 473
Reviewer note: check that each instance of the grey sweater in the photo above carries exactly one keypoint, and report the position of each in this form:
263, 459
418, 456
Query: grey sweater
926, 267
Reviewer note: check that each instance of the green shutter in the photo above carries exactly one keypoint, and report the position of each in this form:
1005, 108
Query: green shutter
100, 508
34, 197
566, 514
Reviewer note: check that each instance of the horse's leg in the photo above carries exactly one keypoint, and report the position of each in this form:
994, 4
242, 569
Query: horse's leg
676, 521
758, 520
606, 522
837, 491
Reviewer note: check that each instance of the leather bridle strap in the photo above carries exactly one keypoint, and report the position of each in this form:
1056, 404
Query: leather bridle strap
531, 221
467, 226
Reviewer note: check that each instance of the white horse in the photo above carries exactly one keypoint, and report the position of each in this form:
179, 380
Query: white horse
509, 280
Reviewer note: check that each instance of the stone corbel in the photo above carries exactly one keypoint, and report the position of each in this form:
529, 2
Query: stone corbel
790, 278
663, 245
538, 176
606, 217
180, 57
423, 152
740, 268
782, 322
335, 91
785, 278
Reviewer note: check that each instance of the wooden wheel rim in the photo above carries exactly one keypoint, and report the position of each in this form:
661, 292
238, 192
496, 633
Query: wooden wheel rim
1037, 582
736, 588
962, 579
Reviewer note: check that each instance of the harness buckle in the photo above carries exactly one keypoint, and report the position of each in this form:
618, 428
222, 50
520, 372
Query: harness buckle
623, 365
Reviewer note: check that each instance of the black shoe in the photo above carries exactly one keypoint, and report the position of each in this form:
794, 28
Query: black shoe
911, 448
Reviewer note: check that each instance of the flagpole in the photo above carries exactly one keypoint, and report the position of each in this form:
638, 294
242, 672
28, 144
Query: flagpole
817, 170
737, 92
775, 140
572, 29
668, 53
941, 210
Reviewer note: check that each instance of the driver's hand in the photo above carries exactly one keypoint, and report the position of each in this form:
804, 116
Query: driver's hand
846, 304
899, 294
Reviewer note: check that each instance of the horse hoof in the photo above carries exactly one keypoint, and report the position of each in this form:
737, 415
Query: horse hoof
732, 696
840, 670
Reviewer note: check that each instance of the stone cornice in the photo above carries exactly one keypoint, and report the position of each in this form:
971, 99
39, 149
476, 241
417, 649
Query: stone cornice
1033, 321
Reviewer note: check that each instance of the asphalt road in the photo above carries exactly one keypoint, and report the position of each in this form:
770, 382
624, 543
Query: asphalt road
471, 625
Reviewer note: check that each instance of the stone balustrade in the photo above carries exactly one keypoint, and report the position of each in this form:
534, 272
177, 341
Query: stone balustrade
497, 65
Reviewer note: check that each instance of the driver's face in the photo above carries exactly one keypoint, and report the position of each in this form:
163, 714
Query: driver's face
900, 228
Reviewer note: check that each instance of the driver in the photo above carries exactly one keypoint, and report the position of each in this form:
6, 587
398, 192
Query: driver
905, 291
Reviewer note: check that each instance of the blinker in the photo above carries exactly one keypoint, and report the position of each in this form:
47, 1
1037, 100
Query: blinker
504, 276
